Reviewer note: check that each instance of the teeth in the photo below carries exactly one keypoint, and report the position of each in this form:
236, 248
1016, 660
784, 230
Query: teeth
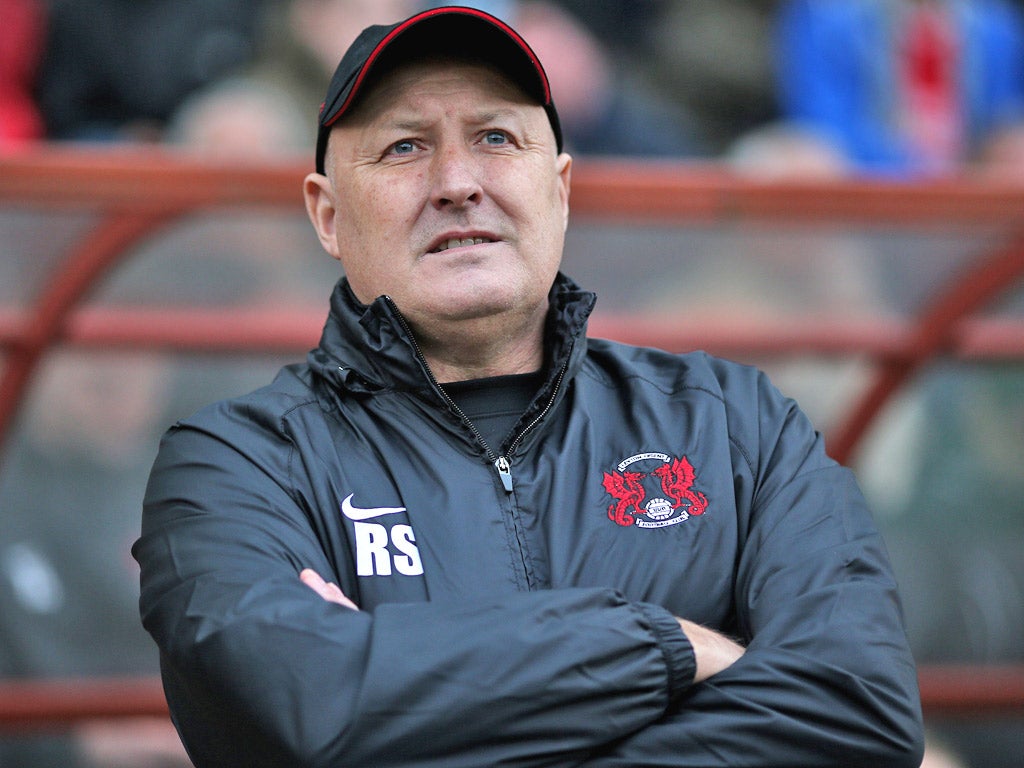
456, 242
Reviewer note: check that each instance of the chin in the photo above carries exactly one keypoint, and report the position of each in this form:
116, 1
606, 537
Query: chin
474, 307
478, 293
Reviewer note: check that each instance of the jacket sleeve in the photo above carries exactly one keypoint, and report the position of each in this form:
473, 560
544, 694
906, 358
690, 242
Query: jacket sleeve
260, 671
827, 678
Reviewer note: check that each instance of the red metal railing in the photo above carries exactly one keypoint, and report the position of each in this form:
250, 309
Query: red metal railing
140, 193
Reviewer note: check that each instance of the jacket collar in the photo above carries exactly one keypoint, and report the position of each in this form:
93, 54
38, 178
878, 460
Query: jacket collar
368, 348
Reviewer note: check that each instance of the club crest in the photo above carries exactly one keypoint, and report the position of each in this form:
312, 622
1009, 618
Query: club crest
655, 498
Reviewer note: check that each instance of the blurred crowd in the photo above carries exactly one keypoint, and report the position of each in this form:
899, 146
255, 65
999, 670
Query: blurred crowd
818, 89
815, 88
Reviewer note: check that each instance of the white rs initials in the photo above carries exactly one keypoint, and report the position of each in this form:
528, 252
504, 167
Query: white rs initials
374, 557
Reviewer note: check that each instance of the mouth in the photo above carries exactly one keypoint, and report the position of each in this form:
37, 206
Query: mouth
458, 242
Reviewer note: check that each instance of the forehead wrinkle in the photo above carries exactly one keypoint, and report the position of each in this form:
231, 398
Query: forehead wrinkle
419, 122
495, 114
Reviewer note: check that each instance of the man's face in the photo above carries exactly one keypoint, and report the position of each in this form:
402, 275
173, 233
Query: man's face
444, 190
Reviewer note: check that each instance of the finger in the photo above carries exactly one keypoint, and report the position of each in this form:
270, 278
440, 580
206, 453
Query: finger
328, 591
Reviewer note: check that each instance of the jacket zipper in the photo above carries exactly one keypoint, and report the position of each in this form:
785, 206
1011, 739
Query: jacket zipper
500, 463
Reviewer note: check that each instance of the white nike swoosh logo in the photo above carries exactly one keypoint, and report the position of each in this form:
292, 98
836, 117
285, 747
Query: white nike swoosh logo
357, 513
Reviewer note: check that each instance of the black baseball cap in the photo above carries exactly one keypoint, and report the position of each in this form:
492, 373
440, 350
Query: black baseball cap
460, 31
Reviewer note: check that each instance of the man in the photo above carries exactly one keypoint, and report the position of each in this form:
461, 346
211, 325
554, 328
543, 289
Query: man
463, 534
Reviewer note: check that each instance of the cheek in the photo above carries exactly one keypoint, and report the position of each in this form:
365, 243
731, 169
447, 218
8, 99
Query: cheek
543, 225
358, 227
384, 210
539, 199
372, 236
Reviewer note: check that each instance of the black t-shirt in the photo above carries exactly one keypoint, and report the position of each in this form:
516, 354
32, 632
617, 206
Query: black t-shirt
495, 404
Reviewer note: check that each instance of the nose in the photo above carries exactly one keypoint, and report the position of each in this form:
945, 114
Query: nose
456, 178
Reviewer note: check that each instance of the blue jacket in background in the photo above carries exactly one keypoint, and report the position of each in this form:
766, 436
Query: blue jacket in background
837, 72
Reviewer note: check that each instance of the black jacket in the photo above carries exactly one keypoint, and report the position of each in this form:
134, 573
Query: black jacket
531, 626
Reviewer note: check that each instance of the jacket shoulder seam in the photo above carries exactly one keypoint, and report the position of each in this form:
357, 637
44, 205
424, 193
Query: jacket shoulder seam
293, 450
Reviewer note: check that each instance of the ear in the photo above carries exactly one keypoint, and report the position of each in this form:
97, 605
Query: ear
320, 205
564, 166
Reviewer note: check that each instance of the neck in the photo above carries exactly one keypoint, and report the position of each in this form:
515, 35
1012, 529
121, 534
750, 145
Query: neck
476, 351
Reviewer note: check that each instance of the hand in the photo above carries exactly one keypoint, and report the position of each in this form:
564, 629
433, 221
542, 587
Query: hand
713, 650
330, 592
133, 743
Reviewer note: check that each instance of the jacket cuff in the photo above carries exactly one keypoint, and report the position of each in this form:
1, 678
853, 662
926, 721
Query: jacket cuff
680, 660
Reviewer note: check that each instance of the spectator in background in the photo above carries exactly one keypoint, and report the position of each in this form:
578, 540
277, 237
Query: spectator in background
242, 119
903, 87
266, 108
623, 26
117, 69
70, 486
21, 46
303, 40
603, 111
790, 152
714, 57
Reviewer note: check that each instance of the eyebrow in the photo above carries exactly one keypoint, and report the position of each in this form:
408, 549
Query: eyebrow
407, 125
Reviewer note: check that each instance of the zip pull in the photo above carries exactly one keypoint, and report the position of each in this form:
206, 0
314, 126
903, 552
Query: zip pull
504, 472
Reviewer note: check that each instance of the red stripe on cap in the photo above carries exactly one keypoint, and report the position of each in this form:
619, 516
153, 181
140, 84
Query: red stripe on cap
437, 12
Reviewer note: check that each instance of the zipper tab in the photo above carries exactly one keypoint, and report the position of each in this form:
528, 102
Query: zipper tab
504, 472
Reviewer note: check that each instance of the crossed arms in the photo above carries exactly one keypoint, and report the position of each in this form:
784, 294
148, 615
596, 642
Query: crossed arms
712, 651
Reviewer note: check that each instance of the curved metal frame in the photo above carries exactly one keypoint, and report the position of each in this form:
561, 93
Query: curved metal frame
75, 276
963, 295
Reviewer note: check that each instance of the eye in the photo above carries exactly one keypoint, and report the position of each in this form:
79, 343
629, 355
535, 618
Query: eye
496, 138
403, 147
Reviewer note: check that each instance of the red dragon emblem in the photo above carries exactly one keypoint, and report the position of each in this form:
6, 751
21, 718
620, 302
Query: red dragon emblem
676, 477
625, 488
